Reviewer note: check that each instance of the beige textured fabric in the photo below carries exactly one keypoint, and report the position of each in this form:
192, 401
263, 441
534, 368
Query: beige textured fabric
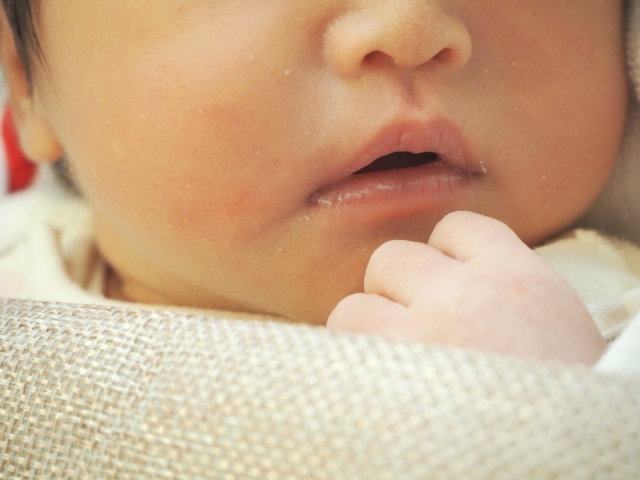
100, 392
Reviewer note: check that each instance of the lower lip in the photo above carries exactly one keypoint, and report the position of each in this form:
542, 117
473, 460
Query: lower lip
397, 192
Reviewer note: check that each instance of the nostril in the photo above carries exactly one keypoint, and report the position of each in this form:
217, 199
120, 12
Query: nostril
377, 58
445, 55
370, 57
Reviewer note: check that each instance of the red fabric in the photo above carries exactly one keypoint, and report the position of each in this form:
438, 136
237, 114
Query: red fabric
21, 171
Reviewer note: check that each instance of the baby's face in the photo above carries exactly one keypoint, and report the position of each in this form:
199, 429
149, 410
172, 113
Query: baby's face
218, 140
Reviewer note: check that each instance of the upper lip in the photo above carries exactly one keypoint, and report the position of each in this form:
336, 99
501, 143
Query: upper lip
439, 137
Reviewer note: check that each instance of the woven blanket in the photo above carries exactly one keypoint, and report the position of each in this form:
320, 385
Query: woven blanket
99, 392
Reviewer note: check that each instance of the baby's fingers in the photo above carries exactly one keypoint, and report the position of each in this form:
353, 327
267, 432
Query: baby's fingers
400, 270
463, 235
369, 314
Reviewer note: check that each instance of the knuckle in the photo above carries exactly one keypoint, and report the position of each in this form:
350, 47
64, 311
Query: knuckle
384, 255
493, 231
451, 223
461, 215
343, 315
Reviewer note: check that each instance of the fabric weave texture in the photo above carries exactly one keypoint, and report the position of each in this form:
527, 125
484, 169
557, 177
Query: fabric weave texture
103, 392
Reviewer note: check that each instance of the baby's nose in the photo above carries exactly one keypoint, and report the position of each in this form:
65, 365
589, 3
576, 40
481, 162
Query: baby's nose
406, 34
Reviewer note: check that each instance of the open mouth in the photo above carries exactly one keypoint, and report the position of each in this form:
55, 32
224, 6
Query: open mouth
398, 160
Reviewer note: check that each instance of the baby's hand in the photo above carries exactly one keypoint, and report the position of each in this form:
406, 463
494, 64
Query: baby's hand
475, 285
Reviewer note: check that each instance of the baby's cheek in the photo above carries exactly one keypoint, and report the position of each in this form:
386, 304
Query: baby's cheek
227, 215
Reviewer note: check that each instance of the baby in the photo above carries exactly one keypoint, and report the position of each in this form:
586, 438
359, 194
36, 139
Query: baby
252, 156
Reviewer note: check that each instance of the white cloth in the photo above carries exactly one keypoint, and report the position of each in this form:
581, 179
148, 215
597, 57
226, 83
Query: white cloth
624, 356
46, 246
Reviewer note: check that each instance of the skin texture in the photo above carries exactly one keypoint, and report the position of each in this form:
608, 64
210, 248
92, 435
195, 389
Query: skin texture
201, 130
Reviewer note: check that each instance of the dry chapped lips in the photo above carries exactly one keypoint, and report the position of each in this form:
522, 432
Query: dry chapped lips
398, 160
398, 176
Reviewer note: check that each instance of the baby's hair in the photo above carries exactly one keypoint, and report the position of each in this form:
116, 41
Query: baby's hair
21, 14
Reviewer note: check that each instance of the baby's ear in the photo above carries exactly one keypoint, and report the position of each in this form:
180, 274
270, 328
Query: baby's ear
37, 140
